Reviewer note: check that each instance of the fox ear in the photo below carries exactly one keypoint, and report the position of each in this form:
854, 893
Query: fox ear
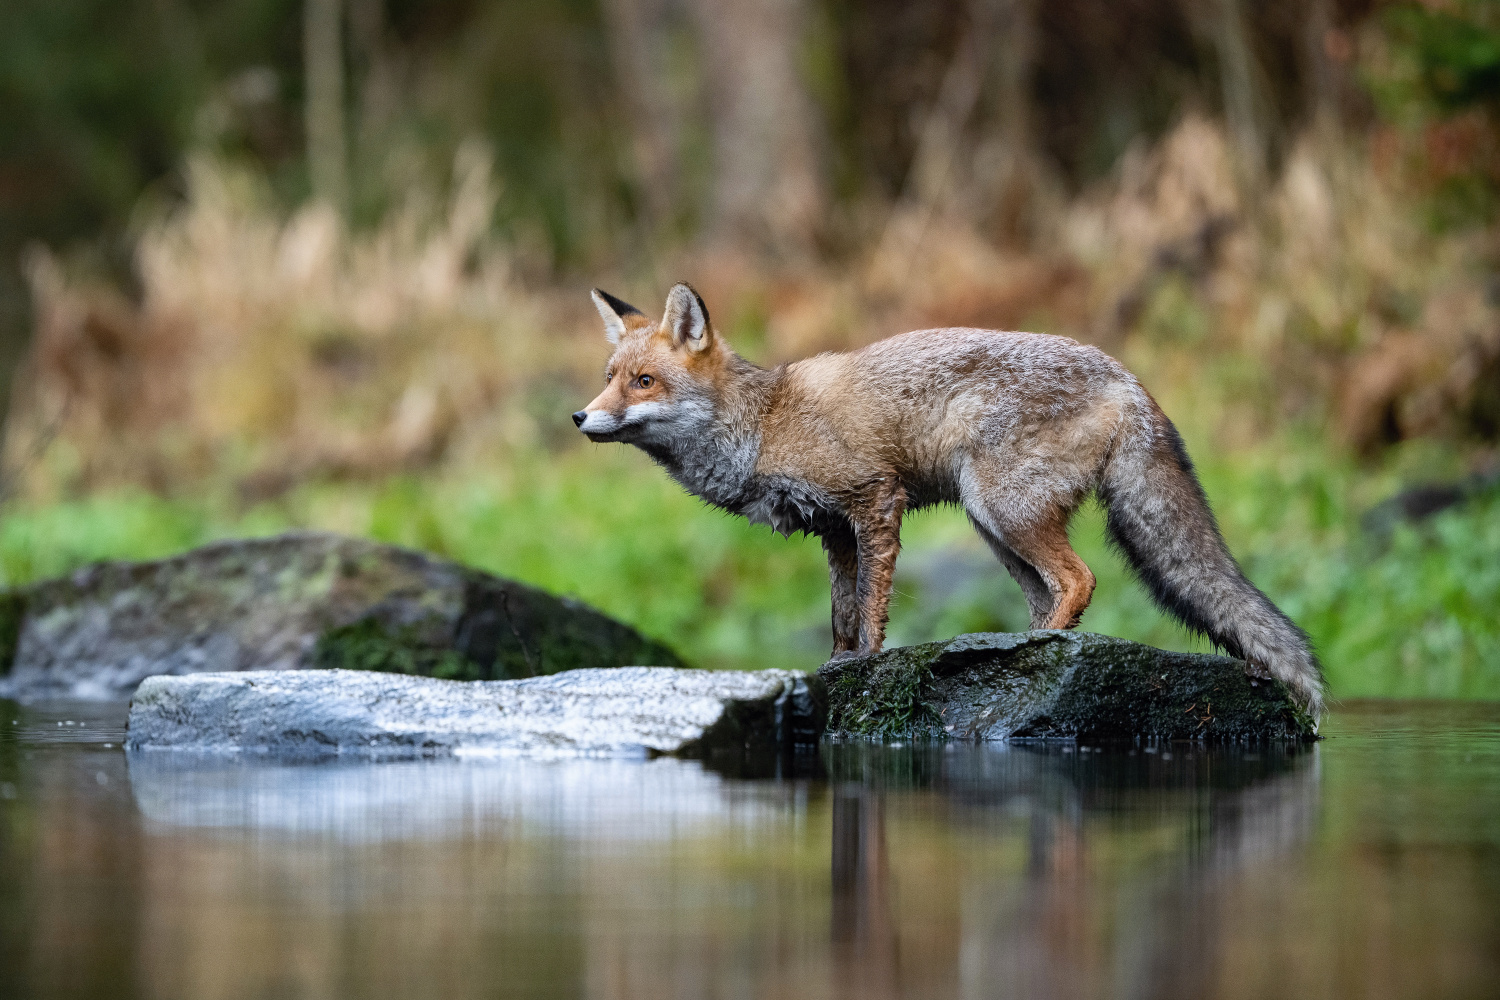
687, 318
613, 311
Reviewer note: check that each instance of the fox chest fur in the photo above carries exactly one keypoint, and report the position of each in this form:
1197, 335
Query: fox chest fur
790, 505
729, 474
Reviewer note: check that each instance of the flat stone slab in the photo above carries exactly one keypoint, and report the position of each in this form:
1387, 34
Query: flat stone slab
621, 711
1055, 685
292, 602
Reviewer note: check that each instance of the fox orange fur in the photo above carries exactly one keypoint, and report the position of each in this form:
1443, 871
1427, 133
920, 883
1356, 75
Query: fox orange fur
1017, 428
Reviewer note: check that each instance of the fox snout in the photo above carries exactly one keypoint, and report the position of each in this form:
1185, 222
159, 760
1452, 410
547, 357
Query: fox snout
599, 425
595, 423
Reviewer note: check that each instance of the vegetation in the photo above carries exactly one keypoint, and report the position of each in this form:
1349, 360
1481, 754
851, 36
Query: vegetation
1414, 618
325, 265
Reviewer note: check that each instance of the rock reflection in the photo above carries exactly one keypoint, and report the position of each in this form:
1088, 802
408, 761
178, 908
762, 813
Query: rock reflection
445, 799
1366, 866
1196, 815
447, 878
957, 870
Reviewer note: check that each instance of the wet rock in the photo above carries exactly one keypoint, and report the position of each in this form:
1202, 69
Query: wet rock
627, 710
1048, 684
293, 602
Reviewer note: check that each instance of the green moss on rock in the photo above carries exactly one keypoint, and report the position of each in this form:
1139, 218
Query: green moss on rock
369, 644
888, 700
1045, 685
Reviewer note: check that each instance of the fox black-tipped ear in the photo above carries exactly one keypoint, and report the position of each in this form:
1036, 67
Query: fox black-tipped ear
687, 317
613, 311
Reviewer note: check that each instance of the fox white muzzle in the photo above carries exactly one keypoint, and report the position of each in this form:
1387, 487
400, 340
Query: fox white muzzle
601, 425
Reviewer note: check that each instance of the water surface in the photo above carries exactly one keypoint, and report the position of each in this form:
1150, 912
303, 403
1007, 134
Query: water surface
1368, 865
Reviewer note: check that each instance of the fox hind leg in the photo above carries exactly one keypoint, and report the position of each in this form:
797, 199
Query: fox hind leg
1046, 547
1058, 584
1030, 538
1038, 597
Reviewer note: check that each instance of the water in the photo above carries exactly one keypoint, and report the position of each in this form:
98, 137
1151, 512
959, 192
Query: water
1368, 866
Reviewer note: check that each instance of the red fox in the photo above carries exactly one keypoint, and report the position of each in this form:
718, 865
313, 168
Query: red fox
1017, 428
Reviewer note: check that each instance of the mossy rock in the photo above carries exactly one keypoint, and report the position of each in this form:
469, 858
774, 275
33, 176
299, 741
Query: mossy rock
1055, 685
296, 601
368, 644
12, 615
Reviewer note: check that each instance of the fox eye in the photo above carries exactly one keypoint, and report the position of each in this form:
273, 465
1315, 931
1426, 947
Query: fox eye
645, 381
609, 377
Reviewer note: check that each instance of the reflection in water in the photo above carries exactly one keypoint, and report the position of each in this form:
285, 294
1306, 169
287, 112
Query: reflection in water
360, 802
864, 938
1368, 865
1046, 938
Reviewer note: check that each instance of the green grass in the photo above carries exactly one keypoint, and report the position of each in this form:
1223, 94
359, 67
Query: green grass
1420, 618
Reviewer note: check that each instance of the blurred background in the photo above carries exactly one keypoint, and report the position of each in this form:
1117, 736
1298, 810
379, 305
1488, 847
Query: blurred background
268, 264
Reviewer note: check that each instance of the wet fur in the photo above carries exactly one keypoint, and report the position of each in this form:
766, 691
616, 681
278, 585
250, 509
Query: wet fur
1019, 429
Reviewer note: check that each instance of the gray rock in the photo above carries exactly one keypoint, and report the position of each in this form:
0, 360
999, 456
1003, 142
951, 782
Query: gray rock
1049, 684
628, 710
293, 602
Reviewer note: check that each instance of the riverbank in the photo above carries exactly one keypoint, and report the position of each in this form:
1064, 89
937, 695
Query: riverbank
1409, 614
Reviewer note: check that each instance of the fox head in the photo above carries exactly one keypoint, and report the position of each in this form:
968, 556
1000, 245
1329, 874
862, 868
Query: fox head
663, 378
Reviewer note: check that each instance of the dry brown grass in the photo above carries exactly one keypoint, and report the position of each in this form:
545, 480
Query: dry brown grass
273, 349
268, 349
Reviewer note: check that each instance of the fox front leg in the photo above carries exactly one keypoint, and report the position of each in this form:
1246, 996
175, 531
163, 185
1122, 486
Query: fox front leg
843, 579
877, 532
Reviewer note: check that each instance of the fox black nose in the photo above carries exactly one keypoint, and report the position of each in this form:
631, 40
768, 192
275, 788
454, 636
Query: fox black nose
579, 418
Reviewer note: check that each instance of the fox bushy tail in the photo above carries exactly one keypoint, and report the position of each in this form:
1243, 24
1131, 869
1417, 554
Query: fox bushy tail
1160, 519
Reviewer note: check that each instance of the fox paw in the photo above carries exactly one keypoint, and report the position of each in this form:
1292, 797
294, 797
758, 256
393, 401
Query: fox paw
846, 654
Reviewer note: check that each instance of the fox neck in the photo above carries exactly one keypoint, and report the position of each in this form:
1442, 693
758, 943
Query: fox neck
713, 447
